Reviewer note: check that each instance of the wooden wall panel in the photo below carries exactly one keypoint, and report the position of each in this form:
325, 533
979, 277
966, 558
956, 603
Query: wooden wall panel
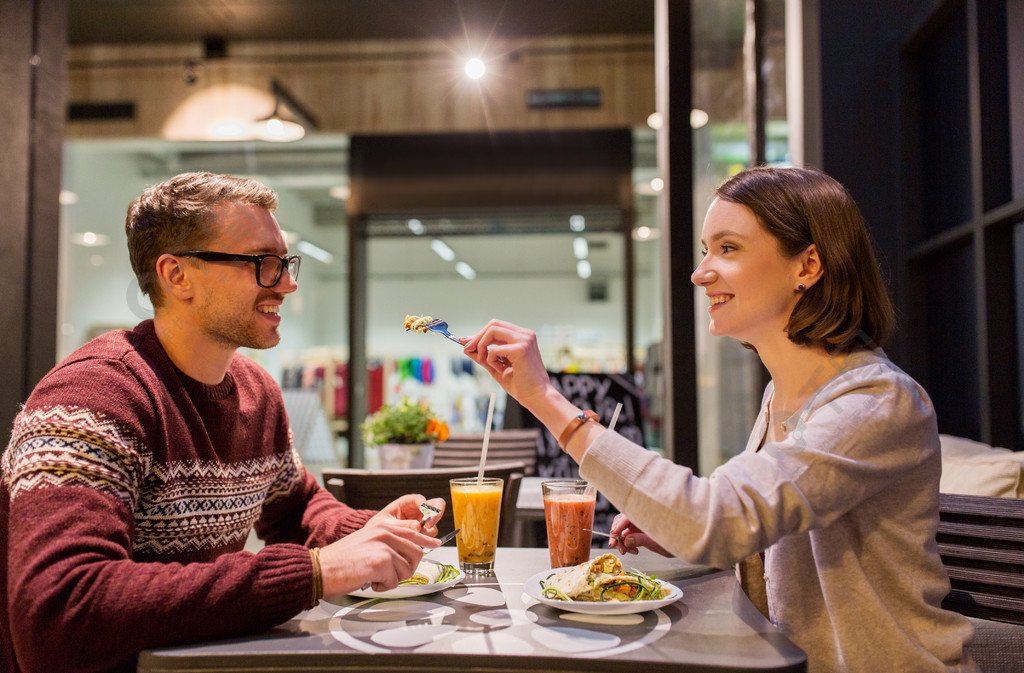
377, 87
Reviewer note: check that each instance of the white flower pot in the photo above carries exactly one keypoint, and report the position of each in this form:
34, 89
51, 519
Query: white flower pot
406, 456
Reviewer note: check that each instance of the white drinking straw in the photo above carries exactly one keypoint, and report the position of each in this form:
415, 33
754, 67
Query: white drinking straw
615, 416
487, 437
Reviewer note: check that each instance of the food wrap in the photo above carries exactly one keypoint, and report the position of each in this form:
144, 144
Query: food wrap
426, 573
602, 579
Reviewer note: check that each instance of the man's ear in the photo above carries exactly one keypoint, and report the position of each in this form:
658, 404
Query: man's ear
174, 277
810, 267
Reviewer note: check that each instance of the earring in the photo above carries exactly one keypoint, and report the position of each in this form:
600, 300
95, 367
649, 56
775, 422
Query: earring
801, 287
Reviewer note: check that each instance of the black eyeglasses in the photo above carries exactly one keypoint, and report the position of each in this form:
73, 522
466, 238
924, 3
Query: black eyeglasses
268, 267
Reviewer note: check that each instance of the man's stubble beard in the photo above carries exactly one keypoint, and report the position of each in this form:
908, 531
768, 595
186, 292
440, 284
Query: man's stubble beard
236, 331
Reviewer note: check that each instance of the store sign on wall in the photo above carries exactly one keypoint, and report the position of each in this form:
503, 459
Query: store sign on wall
600, 392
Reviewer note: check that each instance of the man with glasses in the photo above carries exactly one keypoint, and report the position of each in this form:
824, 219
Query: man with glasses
139, 464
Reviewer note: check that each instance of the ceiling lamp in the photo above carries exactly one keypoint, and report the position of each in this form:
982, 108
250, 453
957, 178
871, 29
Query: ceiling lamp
475, 68
287, 127
580, 247
90, 239
233, 112
442, 250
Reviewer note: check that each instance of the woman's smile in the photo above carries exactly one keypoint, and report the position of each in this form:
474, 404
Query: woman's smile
744, 270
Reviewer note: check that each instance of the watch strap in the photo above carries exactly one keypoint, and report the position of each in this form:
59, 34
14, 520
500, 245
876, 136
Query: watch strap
575, 424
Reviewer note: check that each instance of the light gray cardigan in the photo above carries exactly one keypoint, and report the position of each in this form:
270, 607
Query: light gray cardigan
846, 507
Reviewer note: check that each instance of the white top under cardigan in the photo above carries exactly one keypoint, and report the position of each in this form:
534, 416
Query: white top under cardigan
846, 507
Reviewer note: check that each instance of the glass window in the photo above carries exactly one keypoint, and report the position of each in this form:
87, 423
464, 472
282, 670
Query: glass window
730, 377
99, 291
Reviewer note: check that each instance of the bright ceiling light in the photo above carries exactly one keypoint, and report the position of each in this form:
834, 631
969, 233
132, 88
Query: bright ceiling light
442, 250
416, 227
577, 223
645, 233
236, 112
657, 184
465, 270
580, 247
68, 197
340, 192
90, 239
475, 68
698, 118
583, 269
277, 130
219, 112
315, 251
229, 129
654, 121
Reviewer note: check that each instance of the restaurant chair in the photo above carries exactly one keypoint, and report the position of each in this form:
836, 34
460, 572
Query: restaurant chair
463, 449
366, 489
981, 542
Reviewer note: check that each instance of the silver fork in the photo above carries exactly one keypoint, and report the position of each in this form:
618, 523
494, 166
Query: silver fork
441, 327
617, 538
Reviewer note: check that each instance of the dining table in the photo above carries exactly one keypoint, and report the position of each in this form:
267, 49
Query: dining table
494, 623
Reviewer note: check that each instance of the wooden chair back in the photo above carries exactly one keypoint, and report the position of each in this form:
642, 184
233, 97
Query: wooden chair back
981, 542
463, 449
365, 489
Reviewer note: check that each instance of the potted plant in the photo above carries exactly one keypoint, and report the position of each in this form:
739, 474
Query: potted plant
404, 434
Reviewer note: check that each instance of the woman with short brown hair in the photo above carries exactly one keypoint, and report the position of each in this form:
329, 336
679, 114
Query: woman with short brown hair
838, 485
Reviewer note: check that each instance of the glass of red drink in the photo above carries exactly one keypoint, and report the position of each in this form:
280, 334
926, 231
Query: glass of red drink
569, 514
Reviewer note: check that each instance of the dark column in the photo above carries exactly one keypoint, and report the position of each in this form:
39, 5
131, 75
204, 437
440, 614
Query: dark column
32, 41
673, 61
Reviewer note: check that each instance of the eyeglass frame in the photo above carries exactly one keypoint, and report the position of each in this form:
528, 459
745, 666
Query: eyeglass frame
286, 262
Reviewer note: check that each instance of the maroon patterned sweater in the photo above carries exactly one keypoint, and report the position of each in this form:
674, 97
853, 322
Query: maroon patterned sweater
127, 495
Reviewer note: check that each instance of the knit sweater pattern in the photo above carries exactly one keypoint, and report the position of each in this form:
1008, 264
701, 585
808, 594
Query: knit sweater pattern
128, 492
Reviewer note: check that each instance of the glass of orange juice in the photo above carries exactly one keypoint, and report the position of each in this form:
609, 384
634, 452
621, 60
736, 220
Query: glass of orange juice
476, 506
569, 514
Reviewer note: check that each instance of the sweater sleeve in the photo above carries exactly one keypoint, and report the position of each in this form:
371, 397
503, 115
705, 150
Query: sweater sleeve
300, 511
79, 601
861, 433
78, 597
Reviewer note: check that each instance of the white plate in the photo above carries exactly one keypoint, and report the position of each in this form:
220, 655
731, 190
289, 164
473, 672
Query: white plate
533, 589
410, 590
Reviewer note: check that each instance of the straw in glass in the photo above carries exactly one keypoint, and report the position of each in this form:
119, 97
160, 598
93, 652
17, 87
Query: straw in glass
615, 416
487, 437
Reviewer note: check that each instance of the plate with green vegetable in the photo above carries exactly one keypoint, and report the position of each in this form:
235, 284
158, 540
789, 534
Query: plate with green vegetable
601, 587
429, 578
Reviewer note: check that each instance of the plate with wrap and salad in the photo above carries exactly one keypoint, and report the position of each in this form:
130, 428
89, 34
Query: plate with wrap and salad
601, 586
428, 578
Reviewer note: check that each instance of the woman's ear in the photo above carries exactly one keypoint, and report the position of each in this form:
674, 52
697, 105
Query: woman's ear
173, 277
810, 269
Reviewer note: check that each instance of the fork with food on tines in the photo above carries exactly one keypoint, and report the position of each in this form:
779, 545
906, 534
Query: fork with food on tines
423, 324
441, 327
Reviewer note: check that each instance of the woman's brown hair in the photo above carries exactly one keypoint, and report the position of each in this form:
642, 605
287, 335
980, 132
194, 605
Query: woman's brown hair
848, 308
